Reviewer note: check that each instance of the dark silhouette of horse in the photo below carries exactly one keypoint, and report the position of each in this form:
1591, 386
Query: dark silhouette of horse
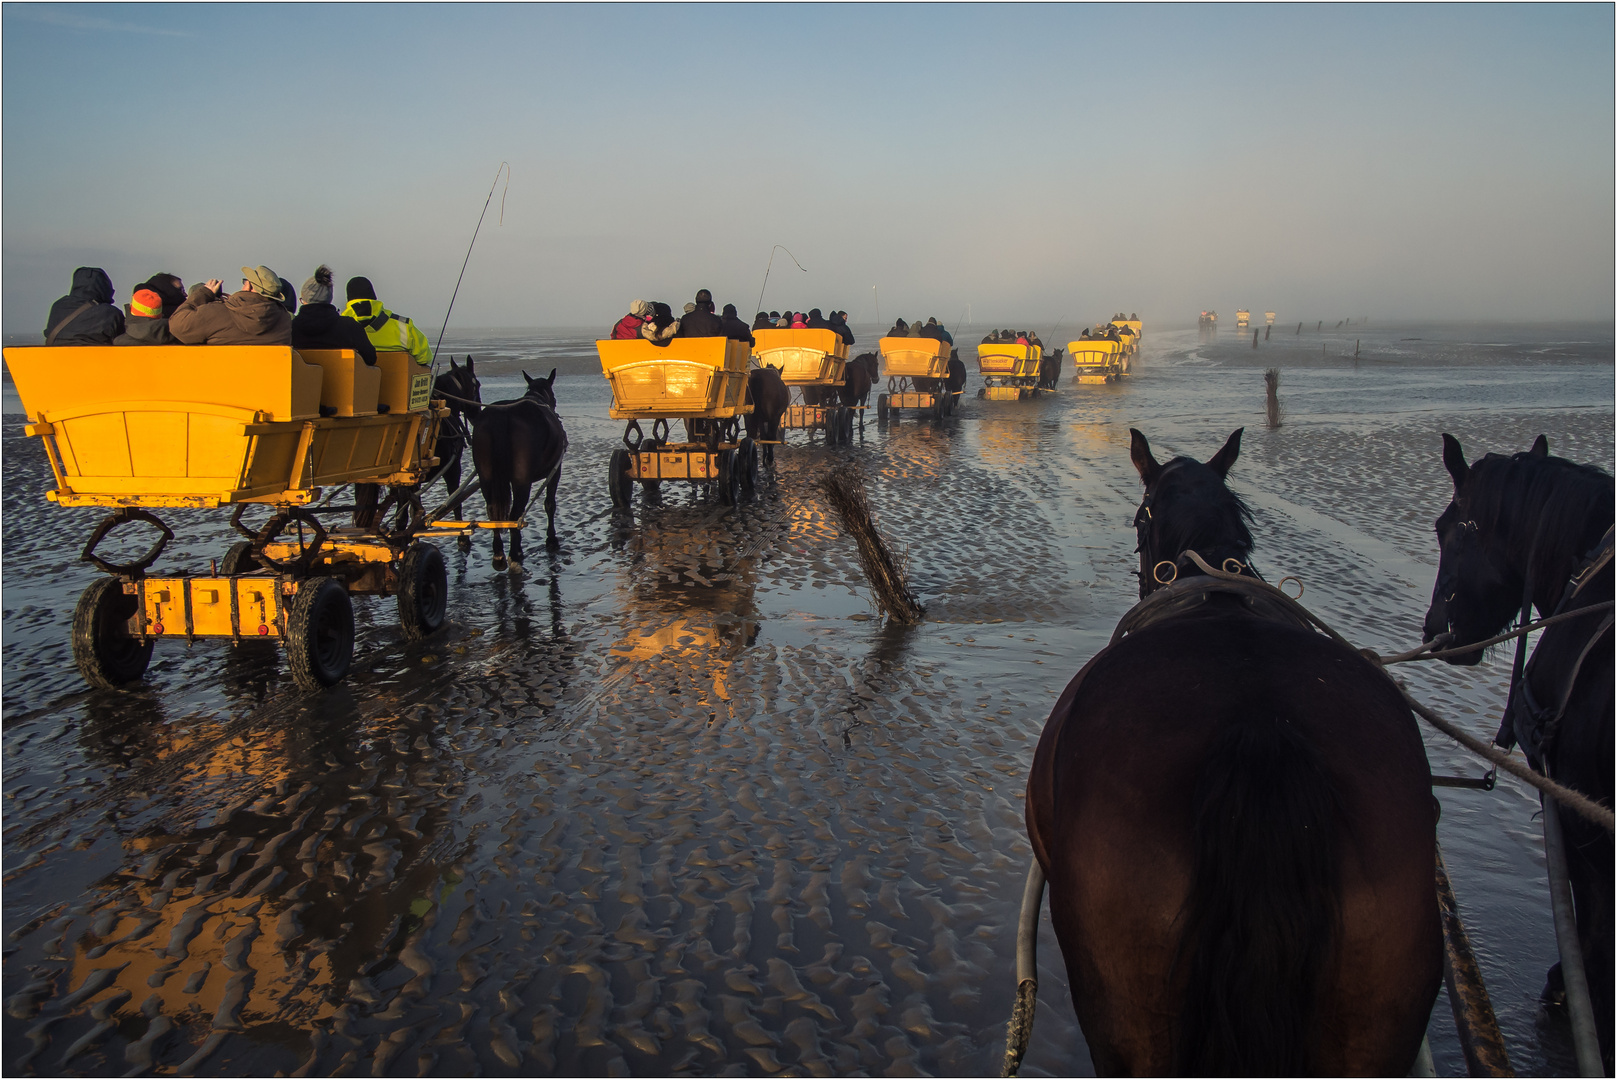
516, 444
769, 396
1050, 370
858, 377
456, 386
1234, 814
956, 380
1516, 532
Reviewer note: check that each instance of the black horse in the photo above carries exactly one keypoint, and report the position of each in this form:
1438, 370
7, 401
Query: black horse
1050, 370
1527, 532
516, 444
458, 386
1234, 814
769, 396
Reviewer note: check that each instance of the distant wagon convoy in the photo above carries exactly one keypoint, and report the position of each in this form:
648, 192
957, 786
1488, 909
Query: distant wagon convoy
220, 426
917, 373
813, 365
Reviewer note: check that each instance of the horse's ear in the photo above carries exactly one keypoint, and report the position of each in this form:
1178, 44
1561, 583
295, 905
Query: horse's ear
1454, 460
468, 361
452, 364
1541, 447
1140, 454
528, 378
1221, 461
552, 379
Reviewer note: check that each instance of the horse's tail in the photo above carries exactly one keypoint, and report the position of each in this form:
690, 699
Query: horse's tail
1262, 916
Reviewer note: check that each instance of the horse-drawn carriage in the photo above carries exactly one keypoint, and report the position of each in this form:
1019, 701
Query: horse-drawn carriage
1129, 331
1098, 360
1242, 318
134, 429
917, 373
1009, 370
813, 365
701, 381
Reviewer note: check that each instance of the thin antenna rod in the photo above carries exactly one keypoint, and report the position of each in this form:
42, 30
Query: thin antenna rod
771, 266
505, 167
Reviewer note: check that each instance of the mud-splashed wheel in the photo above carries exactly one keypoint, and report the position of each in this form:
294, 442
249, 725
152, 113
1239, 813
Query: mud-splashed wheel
320, 633
423, 591
747, 456
239, 560
729, 478
106, 654
881, 408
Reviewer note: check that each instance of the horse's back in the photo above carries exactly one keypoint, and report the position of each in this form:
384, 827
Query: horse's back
1122, 772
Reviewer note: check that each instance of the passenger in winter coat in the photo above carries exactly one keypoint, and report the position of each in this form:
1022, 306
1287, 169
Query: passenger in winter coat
85, 316
839, 323
943, 334
762, 321
900, 329
144, 323
930, 330
816, 321
169, 287
662, 326
799, 321
385, 329
252, 316
628, 327
734, 328
319, 325
289, 297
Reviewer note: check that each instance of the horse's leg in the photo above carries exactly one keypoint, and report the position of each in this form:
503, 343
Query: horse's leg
519, 505
551, 540
497, 504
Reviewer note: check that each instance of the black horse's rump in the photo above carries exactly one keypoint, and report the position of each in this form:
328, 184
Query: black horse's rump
516, 444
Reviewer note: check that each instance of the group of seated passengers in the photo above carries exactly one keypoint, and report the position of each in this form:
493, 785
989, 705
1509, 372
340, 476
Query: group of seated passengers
264, 311
1109, 332
1018, 337
930, 329
1120, 317
656, 322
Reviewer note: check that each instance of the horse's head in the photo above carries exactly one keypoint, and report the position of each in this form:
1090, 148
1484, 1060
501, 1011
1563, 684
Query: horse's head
1188, 506
463, 383
1477, 591
543, 390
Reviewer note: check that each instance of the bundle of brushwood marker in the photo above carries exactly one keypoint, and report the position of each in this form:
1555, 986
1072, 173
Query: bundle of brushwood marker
845, 487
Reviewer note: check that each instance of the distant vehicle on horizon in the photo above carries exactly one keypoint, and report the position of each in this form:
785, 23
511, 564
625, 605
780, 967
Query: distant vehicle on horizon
1208, 319
1268, 318
1242, 317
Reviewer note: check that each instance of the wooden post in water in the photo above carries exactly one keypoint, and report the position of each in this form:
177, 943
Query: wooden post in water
1299, 329
1318, 328
1271, 395
1266, 330
1254, 337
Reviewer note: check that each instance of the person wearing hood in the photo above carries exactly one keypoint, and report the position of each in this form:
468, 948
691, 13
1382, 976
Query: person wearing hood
734, 328
169, 287
900, 329
699, 320
799, 321
838, 321
289, 297
86, 315
929, 330
816, 321
662, 326
762, 321
252, 316
628, 327
387, 331
319, 325
943, 333
144, 322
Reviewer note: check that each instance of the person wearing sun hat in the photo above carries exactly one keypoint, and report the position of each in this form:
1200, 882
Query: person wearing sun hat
254, 315
144, 322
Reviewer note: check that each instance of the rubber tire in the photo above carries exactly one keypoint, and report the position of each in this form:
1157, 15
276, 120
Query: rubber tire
423, 591
881, 408
729, 478
982, 392
106, 655
847, 427
320, 633
239, 560
618, 482
937, 408
747, 456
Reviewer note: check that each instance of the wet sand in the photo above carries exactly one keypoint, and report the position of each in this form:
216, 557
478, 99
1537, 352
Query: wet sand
675, 800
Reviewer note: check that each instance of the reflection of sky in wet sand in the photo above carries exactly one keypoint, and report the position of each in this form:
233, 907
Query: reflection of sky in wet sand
675, 800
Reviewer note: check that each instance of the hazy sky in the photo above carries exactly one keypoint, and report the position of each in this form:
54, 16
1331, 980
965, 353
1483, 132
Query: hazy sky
1031, 161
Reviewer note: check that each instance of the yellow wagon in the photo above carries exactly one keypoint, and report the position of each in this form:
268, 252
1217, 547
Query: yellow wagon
1009, 370
917, 373
701, 381
1096, 360
813, 365
137, 429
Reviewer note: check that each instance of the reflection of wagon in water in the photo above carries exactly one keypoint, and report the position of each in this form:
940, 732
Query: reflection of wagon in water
1010, 371
699, 380
215, 426
916, 370
813, 365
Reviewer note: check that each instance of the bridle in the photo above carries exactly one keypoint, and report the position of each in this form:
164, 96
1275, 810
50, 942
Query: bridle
1167, 571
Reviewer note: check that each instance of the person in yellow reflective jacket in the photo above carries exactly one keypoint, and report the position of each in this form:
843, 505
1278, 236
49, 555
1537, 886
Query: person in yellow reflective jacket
385, 329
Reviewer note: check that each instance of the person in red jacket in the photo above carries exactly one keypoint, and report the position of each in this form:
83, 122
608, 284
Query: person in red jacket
628, 327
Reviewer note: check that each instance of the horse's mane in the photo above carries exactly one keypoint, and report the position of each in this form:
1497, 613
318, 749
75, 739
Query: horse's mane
1218, 525
1547, 511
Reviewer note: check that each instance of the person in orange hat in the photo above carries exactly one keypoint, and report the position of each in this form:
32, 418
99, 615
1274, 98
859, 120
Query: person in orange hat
144, 321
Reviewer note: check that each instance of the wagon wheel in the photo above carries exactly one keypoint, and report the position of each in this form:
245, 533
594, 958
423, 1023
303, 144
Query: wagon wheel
729, 478
619, 482
106, 654
982, 391
239, 559
937, 407
423, 591
320, 633
747, 457
881, 408
847, 427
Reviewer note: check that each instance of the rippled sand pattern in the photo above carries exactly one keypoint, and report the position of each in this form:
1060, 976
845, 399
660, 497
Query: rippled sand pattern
675, 801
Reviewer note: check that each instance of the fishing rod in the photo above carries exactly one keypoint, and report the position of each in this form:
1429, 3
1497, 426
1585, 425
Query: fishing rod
505, 167
771, 266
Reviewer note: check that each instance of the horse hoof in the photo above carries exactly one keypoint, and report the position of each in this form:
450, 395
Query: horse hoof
499, 562
464, 543
553, 543
516, 569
